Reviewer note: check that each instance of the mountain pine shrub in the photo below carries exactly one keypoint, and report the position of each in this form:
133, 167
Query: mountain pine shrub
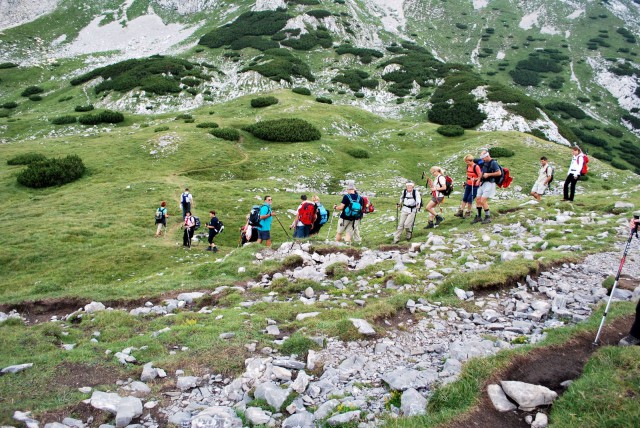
301, 90
603, 156
291, 130
6, 65
318, 13
358, 153
356, 80
35, 97
324, 100
365, 55
589, 138
183, 116
263, 102
64, 120
525, 77
310, 40
619, 165
255, 23
255, 42
280, 64
83, 109
31, 90
614, 132
634, 121
26, 159
52, 172
162, 128
501, 152
229, 134
106, 116
190, 81
450, 130
10, 105
207, 125
571, 109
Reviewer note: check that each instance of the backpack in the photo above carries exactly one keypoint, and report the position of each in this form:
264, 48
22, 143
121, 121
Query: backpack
413, 193
185, 195
505, 179
220, 227
449, 186
546, 171
254, 215
368, 206
159, 214
585, 166
323, 214
196, 222
354, 209
306, 213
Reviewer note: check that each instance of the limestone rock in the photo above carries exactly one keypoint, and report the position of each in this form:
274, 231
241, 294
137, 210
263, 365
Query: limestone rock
499, 399
412, 403
528, 396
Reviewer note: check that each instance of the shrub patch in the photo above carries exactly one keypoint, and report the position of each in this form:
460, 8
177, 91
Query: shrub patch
284, 130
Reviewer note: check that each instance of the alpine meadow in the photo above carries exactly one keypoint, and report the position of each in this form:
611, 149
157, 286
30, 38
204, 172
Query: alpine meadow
513, 311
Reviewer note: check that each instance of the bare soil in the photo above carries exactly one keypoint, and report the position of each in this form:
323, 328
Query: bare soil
547, 366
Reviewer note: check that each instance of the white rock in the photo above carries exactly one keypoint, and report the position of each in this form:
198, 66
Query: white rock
363, 326
94, 307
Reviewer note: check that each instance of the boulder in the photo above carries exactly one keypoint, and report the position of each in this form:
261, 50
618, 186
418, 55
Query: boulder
217, 416
257, 416
343, 418
402, 379
412, 403
272, 394
16, 368
299, 420
363, 326
94, 307
499, 399
528, 396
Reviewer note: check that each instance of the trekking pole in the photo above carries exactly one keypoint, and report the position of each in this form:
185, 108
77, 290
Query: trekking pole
285, 230
634, 231
414, 221
397, 214
326, 241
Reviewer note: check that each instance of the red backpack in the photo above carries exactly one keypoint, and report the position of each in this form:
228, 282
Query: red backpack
585, 165
367, 205
306, 213
505, 179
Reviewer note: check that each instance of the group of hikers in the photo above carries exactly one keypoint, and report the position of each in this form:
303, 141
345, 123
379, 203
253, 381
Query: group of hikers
483, 176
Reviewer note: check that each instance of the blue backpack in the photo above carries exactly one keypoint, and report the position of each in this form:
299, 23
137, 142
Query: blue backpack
324, 214
354, 209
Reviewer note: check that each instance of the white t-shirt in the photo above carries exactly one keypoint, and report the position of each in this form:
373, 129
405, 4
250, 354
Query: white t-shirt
544, 173
409, 204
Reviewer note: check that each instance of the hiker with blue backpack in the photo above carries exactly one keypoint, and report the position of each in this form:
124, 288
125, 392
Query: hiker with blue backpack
491, 172
186, 202
321, 217
351, 215
410, 203
161, 218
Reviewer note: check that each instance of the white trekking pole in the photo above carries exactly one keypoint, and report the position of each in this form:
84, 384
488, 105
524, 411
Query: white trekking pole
329, 230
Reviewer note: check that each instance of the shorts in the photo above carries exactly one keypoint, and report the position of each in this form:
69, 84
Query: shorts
539, 188
487, 190
470, 193
348, 226
264, 235
437, 200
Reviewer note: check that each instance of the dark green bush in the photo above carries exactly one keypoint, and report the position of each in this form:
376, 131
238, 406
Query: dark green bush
358, 94
633, 120
259, 23
310, 40
52, 172
263, 102
571, 109
280, 64
450, 130
63, 99
588, 138
284, 130
603, 156
583, 99
207, 125
10, 105
64, 120
31, 90
614, 132
106, 116
538, 133
619, 165
84, 108
5, 113
161, 128
358, 153
6, 65
301, 90
26, 159
189, 120
501, 152
190, 81
318, 13
255, 42
324, 100
229, 134
183, 116
355, 79
35, 97
365, 55
525, 77
461, 26
464, 113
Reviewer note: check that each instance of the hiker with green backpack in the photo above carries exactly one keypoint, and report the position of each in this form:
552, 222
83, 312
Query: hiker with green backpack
161, 218
352, 207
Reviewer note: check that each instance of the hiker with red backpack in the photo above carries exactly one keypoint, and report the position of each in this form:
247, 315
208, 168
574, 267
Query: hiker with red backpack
577, 168
491, 172
437, 186
306, 216
474, 174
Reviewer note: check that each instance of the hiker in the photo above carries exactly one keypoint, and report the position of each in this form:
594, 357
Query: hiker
161, 218
437, 186
545, 175
474, 174
350, 217
189, 226
487, 190
410, 203
186, 200
633, 338
215, 227
322, 215
574, 173
264, 227
248, 233
306, 216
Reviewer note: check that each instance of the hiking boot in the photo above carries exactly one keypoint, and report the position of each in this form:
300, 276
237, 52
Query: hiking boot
629, 341
430, 225
486, 220
439, 219
215, 249
476, 219
467, 214
208, 249
458, 214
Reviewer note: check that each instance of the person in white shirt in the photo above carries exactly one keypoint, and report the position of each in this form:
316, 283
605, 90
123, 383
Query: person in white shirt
186, 202
410, 202
437, 186
545, 174
189, 227
574, 173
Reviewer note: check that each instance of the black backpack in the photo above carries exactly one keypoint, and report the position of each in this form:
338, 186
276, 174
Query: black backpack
220, 227
413, 193
197, 223
254, 215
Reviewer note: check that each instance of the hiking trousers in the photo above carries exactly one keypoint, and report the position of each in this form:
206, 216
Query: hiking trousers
570, 187
406, 222
635, 328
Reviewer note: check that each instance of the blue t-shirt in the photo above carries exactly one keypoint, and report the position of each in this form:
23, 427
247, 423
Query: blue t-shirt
265, 223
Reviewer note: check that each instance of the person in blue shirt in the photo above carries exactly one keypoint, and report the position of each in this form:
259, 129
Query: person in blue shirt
264, 229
